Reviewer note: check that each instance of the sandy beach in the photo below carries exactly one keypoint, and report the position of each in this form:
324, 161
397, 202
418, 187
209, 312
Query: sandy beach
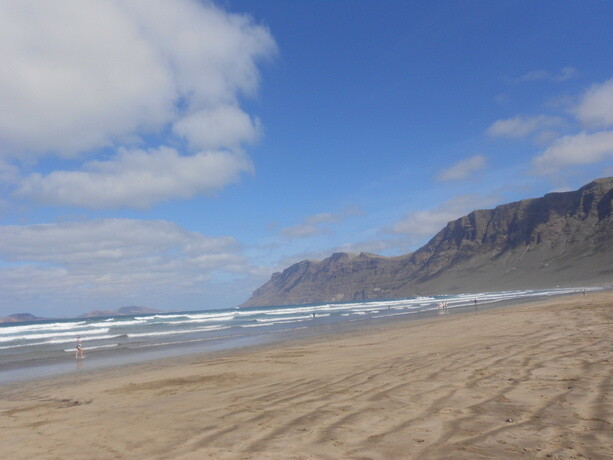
531, 381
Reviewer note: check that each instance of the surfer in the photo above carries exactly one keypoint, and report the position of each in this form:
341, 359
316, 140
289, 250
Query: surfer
79, 350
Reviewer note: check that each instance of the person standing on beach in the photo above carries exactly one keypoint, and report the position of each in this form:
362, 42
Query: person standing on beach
79, 351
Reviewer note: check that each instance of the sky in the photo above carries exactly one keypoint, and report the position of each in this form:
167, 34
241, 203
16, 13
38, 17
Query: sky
175, 153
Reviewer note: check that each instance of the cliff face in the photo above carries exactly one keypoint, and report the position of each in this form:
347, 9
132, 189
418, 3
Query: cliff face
559, 239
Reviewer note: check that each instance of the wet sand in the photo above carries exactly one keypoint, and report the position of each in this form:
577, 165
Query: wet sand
530, 381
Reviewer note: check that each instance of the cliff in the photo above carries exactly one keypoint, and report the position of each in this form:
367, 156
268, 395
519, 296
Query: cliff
559, 239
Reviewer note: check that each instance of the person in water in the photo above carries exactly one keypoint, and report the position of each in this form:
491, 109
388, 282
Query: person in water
79, 351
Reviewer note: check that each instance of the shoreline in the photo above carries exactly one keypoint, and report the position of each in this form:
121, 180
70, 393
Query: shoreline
318, 334
20, 373
437, 387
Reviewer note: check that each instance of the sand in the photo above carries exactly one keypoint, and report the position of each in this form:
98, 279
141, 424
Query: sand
529, 381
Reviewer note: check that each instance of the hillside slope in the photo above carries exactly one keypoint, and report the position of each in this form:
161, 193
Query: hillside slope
559, 239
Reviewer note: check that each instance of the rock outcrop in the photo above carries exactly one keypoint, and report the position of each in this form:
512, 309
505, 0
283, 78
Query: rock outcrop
560, 239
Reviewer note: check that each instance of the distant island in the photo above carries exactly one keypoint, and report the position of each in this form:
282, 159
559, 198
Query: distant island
123, 311
561, 239
20, 318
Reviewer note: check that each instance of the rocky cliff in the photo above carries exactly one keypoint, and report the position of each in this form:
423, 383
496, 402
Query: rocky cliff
556, 240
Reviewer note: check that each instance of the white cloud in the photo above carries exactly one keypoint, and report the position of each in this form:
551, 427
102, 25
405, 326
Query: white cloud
429, 222
578, 149
77, 76
80, 75
113, 261
566, 73
316, 224
596, 106
462, 169
377, 246
104, 241
224, 126
521, 126
136, 178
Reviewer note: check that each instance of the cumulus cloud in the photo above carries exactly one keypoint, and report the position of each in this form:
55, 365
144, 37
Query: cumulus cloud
316, 224
596, 106
462, 169
117, 259
136, 177
566, 73
520, 126
105, 241
224, 126
78, 76
578, 149
429, 222
581, 144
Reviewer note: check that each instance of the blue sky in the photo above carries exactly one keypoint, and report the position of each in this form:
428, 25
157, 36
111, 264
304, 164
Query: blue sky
175, 155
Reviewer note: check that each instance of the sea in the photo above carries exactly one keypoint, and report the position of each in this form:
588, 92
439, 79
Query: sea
31, 350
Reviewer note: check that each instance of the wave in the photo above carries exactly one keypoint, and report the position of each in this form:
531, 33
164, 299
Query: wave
212, 316
272, 322
112, 322
57, 332
286, 310
267, 320
53, 334
187, 317
4, 330
159, 316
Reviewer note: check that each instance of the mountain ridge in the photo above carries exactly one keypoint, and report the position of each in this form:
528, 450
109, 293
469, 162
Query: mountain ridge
562, 238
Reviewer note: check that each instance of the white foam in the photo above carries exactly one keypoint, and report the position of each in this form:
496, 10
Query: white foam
160, 316
52, 334
187, 318
213, 316
39, 327
116, 323
268, 320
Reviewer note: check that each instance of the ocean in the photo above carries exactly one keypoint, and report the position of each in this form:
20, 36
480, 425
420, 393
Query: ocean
45, 348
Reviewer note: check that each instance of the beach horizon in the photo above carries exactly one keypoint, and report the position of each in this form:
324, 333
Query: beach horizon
530, 379
40, 349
